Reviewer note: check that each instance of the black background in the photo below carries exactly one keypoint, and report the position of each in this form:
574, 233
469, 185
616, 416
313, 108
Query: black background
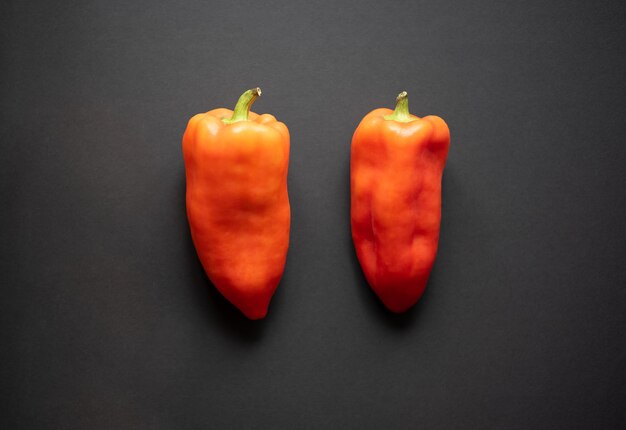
107, 319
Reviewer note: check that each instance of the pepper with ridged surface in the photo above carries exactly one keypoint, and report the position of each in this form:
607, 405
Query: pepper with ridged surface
396, 167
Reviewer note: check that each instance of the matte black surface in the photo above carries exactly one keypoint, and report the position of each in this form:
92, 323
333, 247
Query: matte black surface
107, 319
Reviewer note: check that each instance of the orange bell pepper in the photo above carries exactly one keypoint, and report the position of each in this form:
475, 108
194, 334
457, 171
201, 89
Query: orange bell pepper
237, 204
396, 166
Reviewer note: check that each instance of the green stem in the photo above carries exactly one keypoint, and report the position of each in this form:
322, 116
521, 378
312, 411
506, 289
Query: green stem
242, 108
401, 113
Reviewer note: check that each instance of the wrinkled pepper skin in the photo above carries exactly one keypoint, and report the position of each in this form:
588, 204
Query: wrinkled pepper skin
396, 169
237, 202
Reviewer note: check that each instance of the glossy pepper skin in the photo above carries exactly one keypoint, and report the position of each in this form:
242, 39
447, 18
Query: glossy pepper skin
396, 167
237, 204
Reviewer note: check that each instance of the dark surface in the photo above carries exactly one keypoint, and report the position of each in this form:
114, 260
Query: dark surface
107, 319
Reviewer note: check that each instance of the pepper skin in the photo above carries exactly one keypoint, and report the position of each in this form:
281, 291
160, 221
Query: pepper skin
237, 204
396, 166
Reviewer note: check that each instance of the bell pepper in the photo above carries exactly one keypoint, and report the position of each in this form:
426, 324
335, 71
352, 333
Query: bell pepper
237, 203
396, 167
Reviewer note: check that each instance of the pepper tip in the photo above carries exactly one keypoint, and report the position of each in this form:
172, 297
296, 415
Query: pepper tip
402, 95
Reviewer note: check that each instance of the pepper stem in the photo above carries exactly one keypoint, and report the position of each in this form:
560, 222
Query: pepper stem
242, 108
401, 112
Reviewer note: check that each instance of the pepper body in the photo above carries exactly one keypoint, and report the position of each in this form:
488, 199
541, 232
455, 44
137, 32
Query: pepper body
395, 176
237, 204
